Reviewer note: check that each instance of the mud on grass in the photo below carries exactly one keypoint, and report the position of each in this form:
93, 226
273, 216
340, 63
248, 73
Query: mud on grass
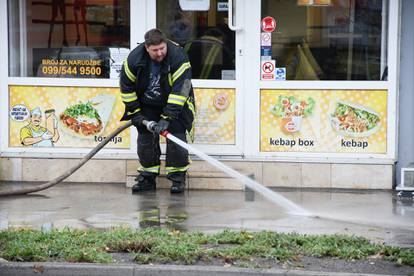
228, 248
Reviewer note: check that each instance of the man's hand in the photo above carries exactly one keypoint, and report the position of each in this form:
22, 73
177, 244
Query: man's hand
47, 136
161, 126
137, 119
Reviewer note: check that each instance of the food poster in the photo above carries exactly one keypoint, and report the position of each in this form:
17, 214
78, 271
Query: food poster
331, 121
215, 116
78, 117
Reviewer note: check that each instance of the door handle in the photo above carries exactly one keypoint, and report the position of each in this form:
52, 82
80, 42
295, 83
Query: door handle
230, 15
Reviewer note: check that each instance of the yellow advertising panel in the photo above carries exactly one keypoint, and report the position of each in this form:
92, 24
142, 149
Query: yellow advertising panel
331, 121
215, 116
41, 116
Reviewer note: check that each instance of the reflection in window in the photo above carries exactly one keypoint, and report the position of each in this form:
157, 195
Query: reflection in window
204, 35
67, 38
330, 39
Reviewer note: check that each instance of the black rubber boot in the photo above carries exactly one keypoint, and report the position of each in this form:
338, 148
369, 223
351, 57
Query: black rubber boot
177, 187
144, 184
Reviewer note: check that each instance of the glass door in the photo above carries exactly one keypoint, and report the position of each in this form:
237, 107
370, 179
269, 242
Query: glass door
202, 29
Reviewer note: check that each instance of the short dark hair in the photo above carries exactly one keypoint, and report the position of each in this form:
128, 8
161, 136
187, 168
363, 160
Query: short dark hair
154, 37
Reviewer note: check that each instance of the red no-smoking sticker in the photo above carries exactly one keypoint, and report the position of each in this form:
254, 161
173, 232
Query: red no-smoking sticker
268, 24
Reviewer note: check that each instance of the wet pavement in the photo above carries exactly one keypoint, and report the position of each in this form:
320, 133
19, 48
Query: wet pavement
378, 215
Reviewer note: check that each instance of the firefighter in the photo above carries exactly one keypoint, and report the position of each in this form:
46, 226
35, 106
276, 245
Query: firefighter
152, 83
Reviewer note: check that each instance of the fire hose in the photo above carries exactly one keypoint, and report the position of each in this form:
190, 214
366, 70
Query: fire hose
27, 190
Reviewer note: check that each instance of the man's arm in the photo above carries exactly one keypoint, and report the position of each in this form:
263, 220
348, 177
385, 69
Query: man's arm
128, 79
27, 139
56, 136
176, 100
31, 141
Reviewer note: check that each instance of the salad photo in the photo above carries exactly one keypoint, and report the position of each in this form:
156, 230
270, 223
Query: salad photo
292, 111
354, 120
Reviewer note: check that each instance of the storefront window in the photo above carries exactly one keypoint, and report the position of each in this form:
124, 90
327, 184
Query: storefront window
69, 39
327, 39
205, 36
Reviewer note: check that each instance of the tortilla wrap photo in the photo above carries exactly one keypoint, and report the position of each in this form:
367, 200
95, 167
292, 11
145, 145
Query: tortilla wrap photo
354, 120
87, 119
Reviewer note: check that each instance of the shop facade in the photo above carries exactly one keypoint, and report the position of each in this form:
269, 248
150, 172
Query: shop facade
298, 93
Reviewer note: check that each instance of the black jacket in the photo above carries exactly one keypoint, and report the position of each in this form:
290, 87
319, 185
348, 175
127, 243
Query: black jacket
175, 68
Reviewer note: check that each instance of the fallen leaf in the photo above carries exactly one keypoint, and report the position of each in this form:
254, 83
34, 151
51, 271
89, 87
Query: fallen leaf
38, 268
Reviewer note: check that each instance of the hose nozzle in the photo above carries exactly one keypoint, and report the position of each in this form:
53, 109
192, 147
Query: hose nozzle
150, 125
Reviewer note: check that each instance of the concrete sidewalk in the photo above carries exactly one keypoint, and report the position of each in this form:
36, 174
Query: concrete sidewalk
377, 215
65, 269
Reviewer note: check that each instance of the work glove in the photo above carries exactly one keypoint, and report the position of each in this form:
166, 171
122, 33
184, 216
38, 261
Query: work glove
161, 126
137, 119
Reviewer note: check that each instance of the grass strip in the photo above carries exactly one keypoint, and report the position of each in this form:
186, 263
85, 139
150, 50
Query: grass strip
156, 245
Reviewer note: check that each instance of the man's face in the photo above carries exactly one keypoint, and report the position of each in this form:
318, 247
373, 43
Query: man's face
157, 52
36, 119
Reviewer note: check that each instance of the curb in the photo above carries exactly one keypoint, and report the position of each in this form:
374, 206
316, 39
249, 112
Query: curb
66, 269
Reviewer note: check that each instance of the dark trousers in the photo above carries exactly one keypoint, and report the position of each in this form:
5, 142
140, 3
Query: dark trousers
149, 151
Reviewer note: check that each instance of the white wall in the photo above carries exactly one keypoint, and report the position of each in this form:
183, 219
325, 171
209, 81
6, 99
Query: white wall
406, 99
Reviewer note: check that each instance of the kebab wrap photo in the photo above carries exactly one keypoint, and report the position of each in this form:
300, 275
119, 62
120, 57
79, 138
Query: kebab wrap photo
89, 118
354, 120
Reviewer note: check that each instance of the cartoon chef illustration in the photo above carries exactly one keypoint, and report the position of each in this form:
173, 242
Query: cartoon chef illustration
35, 135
